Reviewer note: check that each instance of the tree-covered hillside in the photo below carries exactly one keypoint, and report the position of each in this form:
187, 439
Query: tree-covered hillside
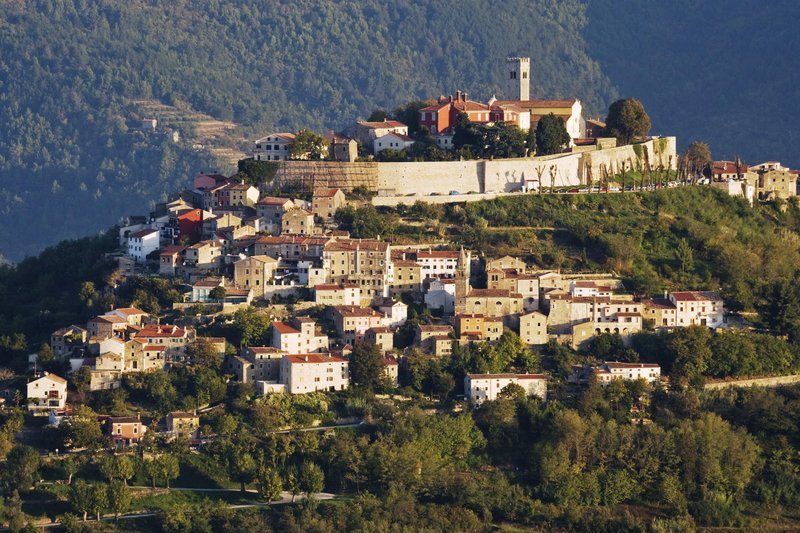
723, 72
70, 164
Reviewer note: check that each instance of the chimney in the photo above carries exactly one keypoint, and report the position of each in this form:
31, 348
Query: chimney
458, 95
463, 97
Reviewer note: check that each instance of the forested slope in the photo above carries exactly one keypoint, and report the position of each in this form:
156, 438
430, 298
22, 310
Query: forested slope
723, 72
69, 163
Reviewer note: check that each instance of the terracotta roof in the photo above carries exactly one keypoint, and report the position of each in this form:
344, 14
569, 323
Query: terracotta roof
348, 245
113, 319
57, 379
380, 329
384, 124
326, 193
130, 311
284, 136
315, 358
535, 103
438, 254
335, 286
390, 360
142, 233
154, 348
349, 310
428, 328
162, 331
207, 283
273, 200
183, 414
400, 136
264, 349
284, 329
173, 249
617, 364
493, 293
501, 376
696, 296
68, 330
727, 167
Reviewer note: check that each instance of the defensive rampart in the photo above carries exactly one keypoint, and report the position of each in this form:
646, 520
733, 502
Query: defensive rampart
481, 176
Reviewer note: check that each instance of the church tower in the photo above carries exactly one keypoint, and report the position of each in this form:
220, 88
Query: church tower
462, 282
518, 78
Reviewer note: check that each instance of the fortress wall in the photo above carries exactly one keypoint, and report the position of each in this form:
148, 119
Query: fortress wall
430, 177
483, 176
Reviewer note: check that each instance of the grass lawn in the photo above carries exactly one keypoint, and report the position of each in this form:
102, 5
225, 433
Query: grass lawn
162, 499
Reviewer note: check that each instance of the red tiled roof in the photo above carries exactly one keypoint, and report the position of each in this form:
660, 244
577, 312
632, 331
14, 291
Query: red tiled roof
130, 311
273, 200
142, 233
315, 358
154, 348
349, 310
501, 376
493, 293
326, 193
532, 104
162, 331
172, 250
696, 296
347, 245
617, 364
384, 124
658, 303
284, 329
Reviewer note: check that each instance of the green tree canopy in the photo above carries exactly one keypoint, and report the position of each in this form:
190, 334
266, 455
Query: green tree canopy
551, 135
627, 120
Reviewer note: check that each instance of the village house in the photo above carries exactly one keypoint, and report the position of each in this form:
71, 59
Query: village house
392, 369
433, 339
341, 148
405, 277
218, 222
441, 295
570, 111
611, 370
311, 372
273, 147
494, 303
506, 263
142, 243
777, 184
518, 282
478, 327
201, 289
391, 141
255, 272
173, 338
366, 132
205, 255
257, 363
183, 423
271, 209
325, 203
291, 246
106, 326
533, 328
364, 262
479, 388
125, 430
65, 341
334, 294
380, 336
702, 308
297, 222
46, 393
170, 259
395, 312
298, 335
661, 311
233, 194
210, 181
352, 322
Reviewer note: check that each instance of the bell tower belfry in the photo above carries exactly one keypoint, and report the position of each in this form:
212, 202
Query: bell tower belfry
518, 78
462, 282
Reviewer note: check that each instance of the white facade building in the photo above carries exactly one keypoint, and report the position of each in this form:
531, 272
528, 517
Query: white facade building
314, 372
481, 387
298, 337
701, 308
142, 243
611, 370
393, 141
46, 393
273, 147
441, 295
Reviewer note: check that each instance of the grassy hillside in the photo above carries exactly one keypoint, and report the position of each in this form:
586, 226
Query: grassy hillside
70, 164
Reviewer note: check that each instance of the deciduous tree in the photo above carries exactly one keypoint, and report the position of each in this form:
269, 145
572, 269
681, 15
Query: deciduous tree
627, 120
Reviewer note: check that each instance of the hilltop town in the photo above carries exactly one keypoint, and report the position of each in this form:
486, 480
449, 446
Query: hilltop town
250, 322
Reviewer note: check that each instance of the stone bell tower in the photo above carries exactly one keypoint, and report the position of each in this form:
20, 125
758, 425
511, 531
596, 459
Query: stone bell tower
518, 78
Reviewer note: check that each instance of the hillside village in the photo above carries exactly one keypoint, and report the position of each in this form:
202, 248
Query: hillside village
248, 324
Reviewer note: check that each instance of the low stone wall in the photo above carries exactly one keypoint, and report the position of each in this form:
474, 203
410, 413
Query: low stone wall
392, 201
774, 381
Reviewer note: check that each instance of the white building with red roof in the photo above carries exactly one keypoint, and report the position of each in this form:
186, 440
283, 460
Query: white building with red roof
142, 243
273, 147
302, 373
391, 141
366, 132
298, 335
611, 370
701, 308
479, 388
46, 393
